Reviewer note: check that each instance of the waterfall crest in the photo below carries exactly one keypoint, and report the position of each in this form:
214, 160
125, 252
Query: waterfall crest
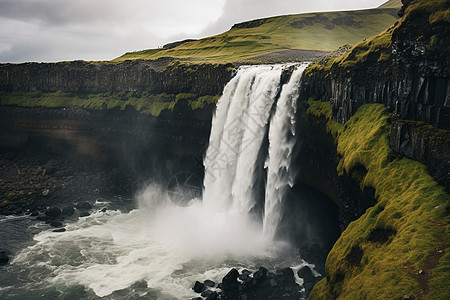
253, 103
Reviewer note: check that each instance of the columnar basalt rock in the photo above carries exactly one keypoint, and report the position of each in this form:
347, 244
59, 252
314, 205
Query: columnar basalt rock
410, 75
162, 75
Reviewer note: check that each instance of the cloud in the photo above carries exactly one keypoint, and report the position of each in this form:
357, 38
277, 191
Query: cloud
53, 30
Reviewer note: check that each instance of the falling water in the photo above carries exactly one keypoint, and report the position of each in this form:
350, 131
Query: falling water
243, 114
280, 175
158, 250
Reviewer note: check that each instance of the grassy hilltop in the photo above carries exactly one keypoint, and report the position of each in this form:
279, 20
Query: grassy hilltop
324, 31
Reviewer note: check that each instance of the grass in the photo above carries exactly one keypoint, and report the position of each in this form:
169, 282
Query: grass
313, 31
151, 104
412, 211
419, 21
392, 4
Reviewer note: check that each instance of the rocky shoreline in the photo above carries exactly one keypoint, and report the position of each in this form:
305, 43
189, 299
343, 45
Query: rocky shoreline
34, 182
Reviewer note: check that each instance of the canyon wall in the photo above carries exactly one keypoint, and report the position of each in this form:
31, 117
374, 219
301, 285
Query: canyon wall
406, 68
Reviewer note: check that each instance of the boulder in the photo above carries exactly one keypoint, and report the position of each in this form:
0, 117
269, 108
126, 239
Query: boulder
84, 206
209, 283
198, 287
4, 258
53, 212
306, 274
84, 214
68, 211
56, 224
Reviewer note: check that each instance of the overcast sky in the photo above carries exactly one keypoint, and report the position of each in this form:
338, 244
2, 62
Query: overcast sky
55, 30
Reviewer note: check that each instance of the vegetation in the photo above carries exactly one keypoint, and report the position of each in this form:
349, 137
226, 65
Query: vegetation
144, 102
418, 22
401, 245
313, 31
392, 4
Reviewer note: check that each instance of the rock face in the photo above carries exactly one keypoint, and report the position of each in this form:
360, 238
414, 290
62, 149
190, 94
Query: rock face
98, 77
316, 159
410, 76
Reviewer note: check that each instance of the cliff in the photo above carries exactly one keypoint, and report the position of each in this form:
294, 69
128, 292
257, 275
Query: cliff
407, 68
386, 108
162, 75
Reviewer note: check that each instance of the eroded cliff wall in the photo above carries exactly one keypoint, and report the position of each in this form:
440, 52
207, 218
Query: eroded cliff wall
406, 68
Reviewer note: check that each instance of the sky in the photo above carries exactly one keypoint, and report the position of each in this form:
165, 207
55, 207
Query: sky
59, 30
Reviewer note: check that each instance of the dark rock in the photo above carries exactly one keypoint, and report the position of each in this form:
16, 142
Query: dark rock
209, 283
260, 275
56, 224
273, 282
53, 212
209, 294
4, 258
230, 280
84, 214
213, 296
43, 218
306, 274
198, 287
103, 210
34, 213
287, 275
84, 206
59, 230
68, 211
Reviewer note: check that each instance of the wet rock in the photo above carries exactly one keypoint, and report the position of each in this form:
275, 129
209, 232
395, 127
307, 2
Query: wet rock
84, 206
103, 210
84, 214
56, 224
68, 211
287, 274
245, 274
306, 274
209, 283
43, 218
212, 296
59, 230
34, 213
4, 258
53, 212
260, 276
198, 287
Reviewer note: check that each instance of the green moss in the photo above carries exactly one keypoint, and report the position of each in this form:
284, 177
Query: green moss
144, 102
420, 18
202, 101
411, 211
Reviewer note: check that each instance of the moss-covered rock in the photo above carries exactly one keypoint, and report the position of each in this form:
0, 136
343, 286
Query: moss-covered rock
407, 68
397, 247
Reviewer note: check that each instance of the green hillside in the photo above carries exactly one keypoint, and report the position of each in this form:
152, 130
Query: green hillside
324, 31
391, 4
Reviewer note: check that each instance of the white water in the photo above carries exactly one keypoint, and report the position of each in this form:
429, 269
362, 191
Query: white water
237, 134
280, 175
167, 247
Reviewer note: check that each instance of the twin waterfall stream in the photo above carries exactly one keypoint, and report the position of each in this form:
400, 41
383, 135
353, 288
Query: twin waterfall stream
248, 106
154, 249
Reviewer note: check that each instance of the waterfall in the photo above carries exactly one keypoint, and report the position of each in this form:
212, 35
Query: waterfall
281, 143
244, 115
